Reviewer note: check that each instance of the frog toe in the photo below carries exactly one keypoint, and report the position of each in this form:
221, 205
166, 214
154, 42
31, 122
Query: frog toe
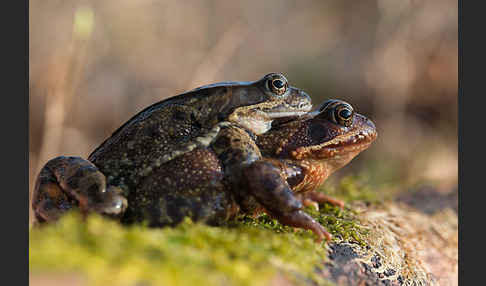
114, 203
302, 220
315, 197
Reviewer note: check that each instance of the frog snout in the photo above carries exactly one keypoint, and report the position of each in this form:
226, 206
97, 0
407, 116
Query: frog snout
370, 123
372, 127
303, 94
367, 126
302, 100
365, 121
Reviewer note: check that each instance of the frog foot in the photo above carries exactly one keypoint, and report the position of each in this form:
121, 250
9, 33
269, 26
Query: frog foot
300, 219
314, 198
67, 182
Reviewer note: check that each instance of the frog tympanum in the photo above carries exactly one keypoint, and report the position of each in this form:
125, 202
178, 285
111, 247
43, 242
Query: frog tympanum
211, 154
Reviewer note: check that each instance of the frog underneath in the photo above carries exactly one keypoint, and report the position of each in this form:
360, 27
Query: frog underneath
296, 158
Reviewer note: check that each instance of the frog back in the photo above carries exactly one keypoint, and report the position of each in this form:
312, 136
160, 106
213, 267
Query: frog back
165, 129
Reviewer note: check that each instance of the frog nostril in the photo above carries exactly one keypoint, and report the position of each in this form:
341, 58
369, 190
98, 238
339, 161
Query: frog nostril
305, 96
370, 123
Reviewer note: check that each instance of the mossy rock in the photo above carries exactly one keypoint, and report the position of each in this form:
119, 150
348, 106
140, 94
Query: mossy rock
374, 244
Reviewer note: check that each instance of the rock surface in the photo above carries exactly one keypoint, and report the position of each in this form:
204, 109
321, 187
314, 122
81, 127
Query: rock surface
403, 247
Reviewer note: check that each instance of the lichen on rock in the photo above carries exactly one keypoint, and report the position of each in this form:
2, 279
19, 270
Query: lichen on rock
402, 247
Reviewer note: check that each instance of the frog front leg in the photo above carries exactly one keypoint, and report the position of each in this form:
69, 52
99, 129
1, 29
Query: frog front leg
67, 182
236, 149
255, 181
265, 182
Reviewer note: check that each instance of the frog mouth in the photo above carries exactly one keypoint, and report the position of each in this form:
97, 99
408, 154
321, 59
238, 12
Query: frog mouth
285, 114
349, 144
284, 111
359, 138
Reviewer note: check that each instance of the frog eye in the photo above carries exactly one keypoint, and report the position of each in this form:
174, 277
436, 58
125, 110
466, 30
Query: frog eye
278, 85
343, 114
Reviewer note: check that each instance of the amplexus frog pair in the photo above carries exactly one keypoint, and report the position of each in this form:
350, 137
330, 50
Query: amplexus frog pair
210, 154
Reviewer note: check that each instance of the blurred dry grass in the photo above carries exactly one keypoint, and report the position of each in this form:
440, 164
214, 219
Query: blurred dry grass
93, 64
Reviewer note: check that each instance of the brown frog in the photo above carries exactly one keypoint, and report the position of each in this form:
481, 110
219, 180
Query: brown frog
293, 159
157, 135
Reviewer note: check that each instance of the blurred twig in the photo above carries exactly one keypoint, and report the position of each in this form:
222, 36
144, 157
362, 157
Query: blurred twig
63, 74
221, 52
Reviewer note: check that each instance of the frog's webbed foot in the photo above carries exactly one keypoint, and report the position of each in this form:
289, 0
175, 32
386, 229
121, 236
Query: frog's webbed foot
266, 184
314, 198
67, 182
302, 220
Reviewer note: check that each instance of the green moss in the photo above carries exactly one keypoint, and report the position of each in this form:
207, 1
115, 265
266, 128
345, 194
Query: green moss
107, 253
341, 223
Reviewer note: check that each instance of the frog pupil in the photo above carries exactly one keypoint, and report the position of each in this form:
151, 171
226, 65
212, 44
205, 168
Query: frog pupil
345, 113
278, 83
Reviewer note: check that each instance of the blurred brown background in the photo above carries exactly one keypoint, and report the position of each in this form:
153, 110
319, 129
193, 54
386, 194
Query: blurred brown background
93, 64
